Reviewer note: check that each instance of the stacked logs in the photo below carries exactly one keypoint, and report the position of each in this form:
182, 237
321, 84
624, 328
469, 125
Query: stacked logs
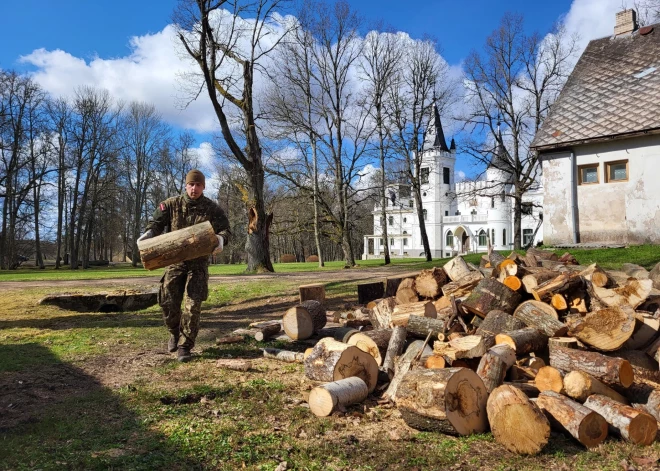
519, 345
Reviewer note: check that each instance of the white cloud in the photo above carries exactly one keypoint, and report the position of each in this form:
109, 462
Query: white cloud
460, 176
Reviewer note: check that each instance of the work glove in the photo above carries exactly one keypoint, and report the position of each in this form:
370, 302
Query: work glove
147, 235
221, 244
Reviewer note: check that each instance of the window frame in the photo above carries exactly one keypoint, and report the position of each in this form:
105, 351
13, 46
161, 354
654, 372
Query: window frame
529, 235
424, 175
616, 162
586, 166
483, 234
446, 175
390, 220
449, 238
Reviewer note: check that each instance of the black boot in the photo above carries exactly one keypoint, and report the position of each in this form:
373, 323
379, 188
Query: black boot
173, 342
183, 354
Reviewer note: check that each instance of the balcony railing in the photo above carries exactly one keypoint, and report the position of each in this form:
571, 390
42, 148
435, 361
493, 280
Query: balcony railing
465, 218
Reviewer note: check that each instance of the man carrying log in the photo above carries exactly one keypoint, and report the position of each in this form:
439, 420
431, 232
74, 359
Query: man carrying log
190, 278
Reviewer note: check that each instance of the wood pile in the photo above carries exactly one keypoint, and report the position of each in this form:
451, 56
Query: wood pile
520, 345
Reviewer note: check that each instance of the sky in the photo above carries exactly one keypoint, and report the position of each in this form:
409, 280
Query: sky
127, 46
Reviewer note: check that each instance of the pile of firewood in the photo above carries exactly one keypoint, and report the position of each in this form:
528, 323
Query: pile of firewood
517, 345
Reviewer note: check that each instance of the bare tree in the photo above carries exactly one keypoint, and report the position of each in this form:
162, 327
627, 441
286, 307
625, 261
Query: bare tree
228, 50
412, 102
513, 82
382, 57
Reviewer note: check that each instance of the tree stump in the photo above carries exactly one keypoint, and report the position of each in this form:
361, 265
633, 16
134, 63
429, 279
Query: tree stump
429, 282
490, 294
178, 246
611, 371
300, 322
449, 400
542, 317
634, 425
565, 415
324, 400
517, 423
314, 292
331, 360
370, 290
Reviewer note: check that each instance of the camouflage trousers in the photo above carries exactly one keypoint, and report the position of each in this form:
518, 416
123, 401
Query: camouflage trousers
188, 282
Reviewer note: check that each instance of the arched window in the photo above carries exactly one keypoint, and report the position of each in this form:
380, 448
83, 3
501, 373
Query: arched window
450, 239
482, 238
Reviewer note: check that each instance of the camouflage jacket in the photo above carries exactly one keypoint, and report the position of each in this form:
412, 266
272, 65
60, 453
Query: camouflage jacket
181, 211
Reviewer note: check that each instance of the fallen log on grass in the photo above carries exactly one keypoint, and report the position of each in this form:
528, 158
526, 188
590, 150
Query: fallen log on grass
324, 400
283, 355
234, 364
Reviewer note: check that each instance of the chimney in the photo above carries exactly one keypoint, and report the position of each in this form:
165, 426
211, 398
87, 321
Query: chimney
626, 22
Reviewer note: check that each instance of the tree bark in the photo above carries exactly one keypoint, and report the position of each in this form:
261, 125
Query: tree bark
497, 322
580, 386
394, 347
324, 400
524, 340
177, 246
369, 291
489, 295
300, 322
611, 371
633, 425
374, 342
493, 366
542, 317
402, 312
456, 268
283, 355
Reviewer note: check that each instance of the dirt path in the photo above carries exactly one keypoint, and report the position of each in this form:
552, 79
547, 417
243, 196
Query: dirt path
306, 277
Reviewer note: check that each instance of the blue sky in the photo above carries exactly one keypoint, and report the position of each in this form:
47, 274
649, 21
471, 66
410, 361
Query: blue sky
127, 46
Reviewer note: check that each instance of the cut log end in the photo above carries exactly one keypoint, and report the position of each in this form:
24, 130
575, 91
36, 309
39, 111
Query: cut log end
325, 399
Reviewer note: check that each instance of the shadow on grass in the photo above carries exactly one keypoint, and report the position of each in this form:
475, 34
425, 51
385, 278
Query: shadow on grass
55, 416
90, 320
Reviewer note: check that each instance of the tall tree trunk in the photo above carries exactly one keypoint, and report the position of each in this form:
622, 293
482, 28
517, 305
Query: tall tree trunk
383, 196
422, 223
517, 220
60, 200
257, 244
317, 237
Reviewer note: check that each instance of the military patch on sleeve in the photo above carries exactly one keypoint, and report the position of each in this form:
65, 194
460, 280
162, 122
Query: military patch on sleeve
162, 206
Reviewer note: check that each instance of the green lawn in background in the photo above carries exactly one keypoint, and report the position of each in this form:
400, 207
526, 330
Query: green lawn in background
644, 255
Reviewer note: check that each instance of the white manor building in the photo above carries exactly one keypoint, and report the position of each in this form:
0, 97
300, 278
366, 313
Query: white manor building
459, 217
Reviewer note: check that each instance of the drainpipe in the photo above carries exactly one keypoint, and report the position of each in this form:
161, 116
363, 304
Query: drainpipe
574, 202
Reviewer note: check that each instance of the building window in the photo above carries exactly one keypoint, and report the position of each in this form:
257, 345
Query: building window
446, 213
405, 242
445, 175
587, 174
391, 220
616, 171
492, 202
424, 194
381, 242
391, 242
528, 235
405, 219
410, 203
450, 239
502, 196
492, 236
527, 208
503, 236
424, 175
482, 238
405, 232
425, 213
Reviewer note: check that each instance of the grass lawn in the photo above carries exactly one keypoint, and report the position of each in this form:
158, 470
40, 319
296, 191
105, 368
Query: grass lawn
98, 391
644, 255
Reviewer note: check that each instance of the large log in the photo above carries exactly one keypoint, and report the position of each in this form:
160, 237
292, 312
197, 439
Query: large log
381, 314
549, 378
392, 283
523, 340
315, 291
604, 330
370, 290
394, 348
611, 371
449, 400
325, 399
406, 292
580, 385
632, 293
516, 422
402, 312
331, 360
429, 282
301, 321
634, 425
420, 326
493, 365
542, 317
374, 342
644, 367
178, 246
586, 426
489, 295
563, 283
463, 286
497, 322
645, 395
456, 268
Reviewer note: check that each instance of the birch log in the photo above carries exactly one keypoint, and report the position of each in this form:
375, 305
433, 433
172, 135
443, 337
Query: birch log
178, 246
324, 400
